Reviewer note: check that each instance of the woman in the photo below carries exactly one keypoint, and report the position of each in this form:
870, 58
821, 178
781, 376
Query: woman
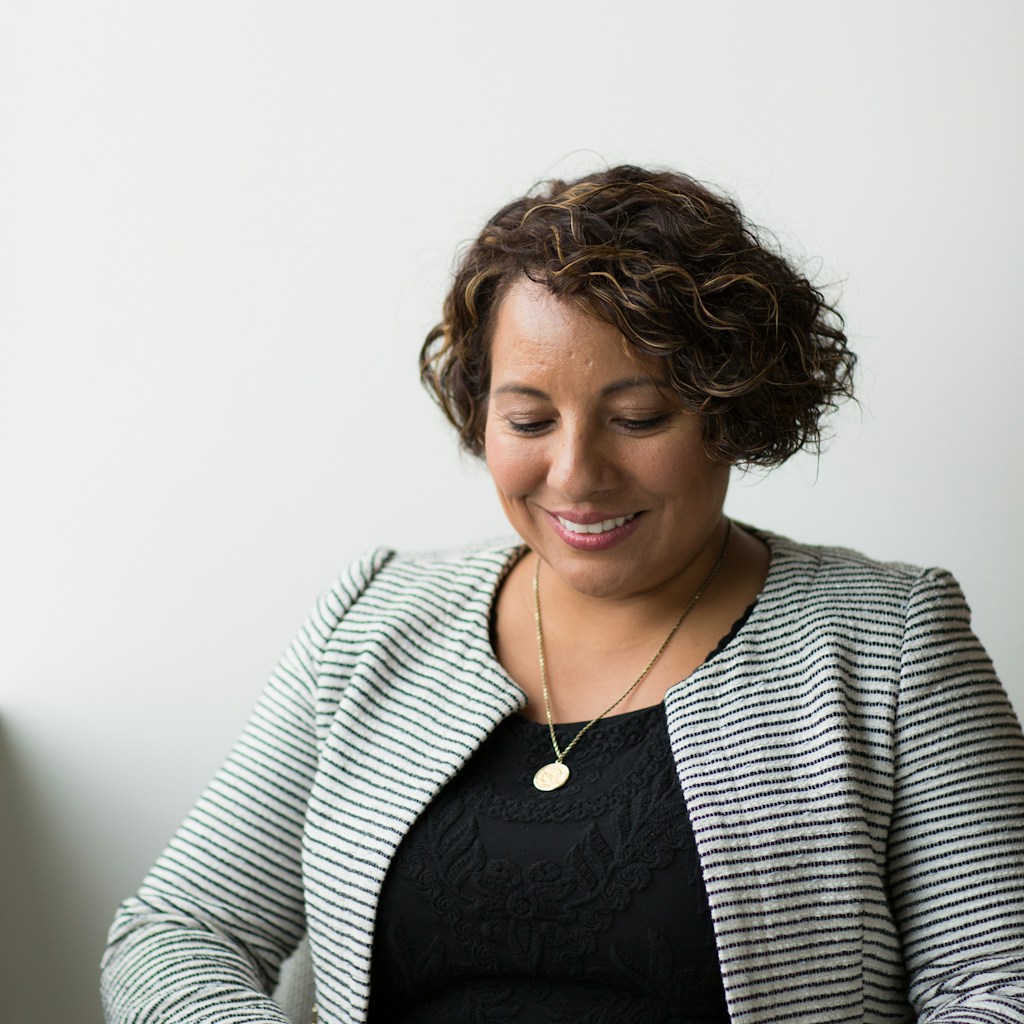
647, 766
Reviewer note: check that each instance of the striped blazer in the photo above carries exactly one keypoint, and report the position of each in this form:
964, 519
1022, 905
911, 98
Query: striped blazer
852, 768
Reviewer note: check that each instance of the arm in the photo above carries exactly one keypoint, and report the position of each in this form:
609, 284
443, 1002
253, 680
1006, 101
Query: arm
956, 846
202, 940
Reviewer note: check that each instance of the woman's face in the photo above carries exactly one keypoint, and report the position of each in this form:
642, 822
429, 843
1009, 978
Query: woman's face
598, 468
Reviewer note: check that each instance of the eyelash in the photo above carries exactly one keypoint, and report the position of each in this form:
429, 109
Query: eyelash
630, 426
527, 428
648, 424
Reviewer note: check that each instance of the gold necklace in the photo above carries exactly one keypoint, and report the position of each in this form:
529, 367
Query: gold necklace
556, 774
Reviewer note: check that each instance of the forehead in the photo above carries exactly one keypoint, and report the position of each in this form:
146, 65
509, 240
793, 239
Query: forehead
535, 331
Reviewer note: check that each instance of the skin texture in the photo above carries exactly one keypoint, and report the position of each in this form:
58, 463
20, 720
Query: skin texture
581, 428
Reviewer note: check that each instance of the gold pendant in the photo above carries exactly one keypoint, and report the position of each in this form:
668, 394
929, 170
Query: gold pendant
551, 776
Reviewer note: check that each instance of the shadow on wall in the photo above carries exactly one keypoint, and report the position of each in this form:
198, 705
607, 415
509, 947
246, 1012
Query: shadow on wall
49, 944
90, 797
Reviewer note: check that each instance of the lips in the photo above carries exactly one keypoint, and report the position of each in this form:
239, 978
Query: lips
593, 531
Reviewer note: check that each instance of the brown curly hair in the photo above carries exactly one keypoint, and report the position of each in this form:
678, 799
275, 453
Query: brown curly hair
747, 340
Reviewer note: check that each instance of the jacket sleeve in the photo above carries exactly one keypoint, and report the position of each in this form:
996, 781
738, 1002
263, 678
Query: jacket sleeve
956, 847
203, 938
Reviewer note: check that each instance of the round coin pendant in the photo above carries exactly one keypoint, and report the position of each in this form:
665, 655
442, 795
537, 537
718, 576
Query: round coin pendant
551, 776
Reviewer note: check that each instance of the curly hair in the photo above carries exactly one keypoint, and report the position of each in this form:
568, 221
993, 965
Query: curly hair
748, 341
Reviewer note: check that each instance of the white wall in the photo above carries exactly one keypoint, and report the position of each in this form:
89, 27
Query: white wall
225, 228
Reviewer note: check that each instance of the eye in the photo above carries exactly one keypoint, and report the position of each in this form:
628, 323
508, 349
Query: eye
528, 427
638, 426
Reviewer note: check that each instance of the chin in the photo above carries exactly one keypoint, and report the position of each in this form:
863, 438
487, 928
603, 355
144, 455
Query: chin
595, 581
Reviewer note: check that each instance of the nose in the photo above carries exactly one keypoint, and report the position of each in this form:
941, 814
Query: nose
582, 464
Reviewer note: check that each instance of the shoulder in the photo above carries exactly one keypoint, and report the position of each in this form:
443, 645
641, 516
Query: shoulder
410, 619
841, 569
829, 582
455, 563
385, 581
459, 574
828, 561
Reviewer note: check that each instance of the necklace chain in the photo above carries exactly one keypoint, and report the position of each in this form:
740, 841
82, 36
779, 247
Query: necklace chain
560, 754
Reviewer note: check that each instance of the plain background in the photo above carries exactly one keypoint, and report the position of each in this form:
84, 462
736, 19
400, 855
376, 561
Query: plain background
225, 228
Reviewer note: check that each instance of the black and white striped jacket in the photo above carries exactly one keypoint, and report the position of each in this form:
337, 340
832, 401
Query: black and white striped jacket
852, 768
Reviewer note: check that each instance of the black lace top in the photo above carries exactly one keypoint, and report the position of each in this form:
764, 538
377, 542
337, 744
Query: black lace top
504, 903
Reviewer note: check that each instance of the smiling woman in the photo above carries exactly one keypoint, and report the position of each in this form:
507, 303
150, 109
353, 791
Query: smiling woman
645, 765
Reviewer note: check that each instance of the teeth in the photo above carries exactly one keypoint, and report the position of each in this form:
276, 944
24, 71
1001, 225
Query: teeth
602, 527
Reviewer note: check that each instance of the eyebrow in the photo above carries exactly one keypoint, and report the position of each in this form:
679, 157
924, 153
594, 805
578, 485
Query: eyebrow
626, 384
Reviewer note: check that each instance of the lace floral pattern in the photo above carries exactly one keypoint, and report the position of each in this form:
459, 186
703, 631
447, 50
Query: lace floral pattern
504, 903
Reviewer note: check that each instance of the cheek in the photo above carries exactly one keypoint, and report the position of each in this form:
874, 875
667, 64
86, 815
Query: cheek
682, 471
703, 482
515, 467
